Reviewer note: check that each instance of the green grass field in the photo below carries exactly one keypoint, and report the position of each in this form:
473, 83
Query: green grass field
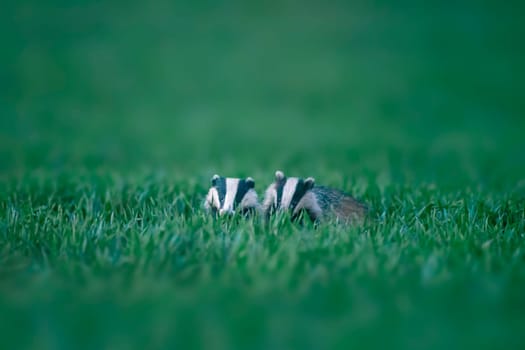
114, 116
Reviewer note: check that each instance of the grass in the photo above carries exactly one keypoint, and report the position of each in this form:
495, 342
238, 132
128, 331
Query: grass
113, 119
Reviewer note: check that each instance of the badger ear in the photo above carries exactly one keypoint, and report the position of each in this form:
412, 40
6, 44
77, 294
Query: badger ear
214, 179
309, 182
279, 176
250, 182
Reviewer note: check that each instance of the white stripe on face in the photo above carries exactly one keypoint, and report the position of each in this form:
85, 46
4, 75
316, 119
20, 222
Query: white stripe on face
232, 186
288, 192
270, 198
212, 199
249, 200
309, 202
216, 200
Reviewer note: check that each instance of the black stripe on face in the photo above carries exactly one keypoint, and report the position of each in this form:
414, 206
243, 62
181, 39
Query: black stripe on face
242, 188
220, 185
279, 185
299, 193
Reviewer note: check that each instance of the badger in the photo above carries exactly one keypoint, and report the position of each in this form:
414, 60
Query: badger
228, 195
297, 195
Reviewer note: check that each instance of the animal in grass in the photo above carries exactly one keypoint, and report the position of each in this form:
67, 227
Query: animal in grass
228, 195
297, 195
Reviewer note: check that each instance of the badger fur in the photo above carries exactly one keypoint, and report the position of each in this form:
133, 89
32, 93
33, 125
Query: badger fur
228, 195
296, 195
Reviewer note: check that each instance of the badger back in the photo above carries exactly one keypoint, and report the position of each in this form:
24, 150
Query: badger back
338, 204
227, 195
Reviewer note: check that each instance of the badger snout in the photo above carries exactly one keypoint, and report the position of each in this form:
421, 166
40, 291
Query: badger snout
225, 211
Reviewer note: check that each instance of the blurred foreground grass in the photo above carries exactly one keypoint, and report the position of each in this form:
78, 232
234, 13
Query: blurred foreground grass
115, 115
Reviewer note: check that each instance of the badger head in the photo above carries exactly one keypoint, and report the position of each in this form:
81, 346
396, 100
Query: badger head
228, 195
287, 193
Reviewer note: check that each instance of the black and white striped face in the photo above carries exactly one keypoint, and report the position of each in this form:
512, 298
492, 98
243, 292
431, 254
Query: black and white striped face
228, 194
286, 193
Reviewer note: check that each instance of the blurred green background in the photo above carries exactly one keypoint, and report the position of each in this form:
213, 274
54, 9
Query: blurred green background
206, 84
127, 108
